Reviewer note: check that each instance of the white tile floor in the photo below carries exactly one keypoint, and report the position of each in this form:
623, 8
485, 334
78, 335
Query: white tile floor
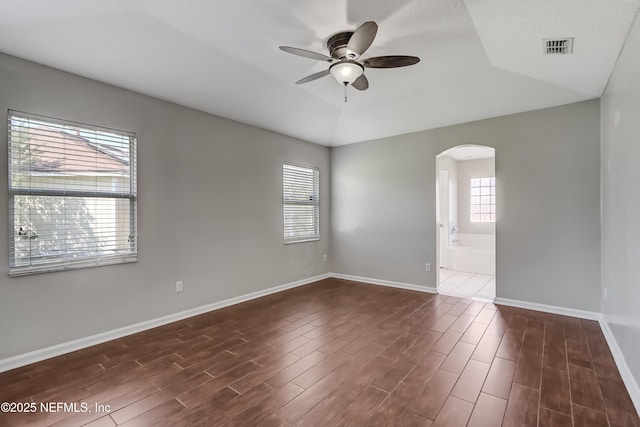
470, 285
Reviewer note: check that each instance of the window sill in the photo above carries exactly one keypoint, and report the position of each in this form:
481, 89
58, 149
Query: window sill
310, 239
65, 266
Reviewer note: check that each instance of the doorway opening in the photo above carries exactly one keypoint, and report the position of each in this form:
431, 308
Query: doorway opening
466, 221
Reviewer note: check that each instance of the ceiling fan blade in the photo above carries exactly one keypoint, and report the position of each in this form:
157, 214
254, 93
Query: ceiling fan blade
306, 53
361, 83
361, 39
313, 77
391, 61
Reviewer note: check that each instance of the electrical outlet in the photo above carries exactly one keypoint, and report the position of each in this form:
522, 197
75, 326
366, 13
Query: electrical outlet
179, 286
324, 257
427, 267
605, 293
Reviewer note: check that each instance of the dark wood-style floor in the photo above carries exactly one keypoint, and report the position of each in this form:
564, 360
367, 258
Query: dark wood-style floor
339, 353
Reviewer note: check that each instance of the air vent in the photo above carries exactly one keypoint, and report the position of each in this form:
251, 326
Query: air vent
558, 46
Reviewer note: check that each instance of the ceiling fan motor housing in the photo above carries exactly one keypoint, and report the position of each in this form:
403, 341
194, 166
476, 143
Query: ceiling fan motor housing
337, 45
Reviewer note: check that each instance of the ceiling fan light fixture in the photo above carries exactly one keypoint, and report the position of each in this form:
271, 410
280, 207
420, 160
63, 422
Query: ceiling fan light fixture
346, 72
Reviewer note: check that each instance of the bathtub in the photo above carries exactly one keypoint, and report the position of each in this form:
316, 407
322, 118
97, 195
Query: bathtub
472, 253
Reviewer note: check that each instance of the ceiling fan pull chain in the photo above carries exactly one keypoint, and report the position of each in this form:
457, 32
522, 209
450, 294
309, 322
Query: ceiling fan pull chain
345, 91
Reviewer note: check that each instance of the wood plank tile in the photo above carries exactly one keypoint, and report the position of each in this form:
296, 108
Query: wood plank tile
462, 323
411, 419
363, 358
554, 391
529, 368
474, 308
618, 404
320, 370
444, 322
549, 418
602, 358
326, 410
247, 400
457, 358
252, 379
434, 395
485, 316
280, 351
401, 345
274, 421
341, 341
194, 396
584, 388
499, 378
498, 325
340, 352
454, 413
577, 349
360, 408
105, 421
262, 410
131, 411
474, 333
522, 407
393, 408
447, 341
510, 345
166, 412
517, 319
459, 308
302, 403
588, 417
486, 349
555, 354
394, 373
290, 372
488, 411
470, 383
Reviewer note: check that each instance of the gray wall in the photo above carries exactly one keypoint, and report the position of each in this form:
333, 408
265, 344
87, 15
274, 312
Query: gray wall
467, 169
548, 230
621, 201
209, 213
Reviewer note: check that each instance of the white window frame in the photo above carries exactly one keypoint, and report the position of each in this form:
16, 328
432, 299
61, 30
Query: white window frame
64, 261
480, 200
291, 202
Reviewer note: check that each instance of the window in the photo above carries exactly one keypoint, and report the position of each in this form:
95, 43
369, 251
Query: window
72, 195
483, 199
300, 203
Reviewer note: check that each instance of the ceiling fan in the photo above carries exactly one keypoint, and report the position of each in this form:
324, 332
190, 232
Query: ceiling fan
345, 49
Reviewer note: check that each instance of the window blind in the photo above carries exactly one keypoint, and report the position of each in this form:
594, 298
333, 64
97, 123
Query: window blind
72, 195
301, 203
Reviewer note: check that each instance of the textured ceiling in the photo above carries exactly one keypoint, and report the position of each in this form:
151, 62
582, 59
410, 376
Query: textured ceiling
480, 58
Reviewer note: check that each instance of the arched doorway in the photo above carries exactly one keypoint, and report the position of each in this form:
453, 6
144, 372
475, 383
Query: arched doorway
466, 221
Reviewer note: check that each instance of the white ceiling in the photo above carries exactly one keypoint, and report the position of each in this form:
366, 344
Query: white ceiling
480, 58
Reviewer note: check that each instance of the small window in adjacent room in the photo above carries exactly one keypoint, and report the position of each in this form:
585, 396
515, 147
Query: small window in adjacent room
72, 195
300, 203
483, 199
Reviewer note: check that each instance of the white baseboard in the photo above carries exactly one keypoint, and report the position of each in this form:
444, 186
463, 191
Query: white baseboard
388, 283
627, 377
572, 312
67, 347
